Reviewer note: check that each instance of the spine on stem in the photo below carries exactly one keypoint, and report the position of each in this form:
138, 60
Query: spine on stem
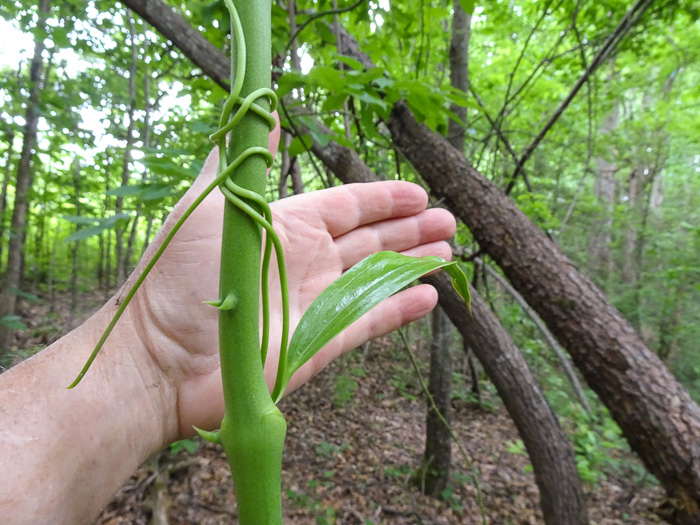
253, 430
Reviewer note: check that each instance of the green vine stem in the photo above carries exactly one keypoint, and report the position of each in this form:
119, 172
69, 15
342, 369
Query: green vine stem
253, 429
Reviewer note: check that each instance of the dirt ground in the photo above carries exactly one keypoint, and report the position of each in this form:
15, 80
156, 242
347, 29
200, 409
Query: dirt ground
355, 437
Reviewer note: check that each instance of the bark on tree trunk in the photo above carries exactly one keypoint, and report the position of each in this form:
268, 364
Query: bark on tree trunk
122, 262
434, 471
599, 261
459, 71
24, 175
76, 244
5, 183
656, 414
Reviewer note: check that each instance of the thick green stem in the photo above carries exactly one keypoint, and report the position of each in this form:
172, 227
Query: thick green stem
253, 430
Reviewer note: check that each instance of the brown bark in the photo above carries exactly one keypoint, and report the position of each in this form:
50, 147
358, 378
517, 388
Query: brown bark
656, 414
5, 183
459, 71
437, 456
434, 472
289, 170
24, 176
122, 262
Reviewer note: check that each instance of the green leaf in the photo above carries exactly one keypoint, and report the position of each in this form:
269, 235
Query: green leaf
13, 322
327, 77
289, 81
354, 294
325, 32
354, 64
83, 221
124, 191
102, 225
297, 145
467, 6
25, 295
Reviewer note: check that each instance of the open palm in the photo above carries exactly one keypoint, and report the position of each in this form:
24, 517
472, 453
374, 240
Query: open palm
323, 234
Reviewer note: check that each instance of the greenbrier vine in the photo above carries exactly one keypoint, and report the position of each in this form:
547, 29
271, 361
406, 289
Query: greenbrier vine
237, 196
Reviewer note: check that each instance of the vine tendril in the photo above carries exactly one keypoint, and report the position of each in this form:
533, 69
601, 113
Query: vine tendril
236, 195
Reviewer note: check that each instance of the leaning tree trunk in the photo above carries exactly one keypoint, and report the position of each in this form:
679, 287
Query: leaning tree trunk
656, 414
13, 274
552, 458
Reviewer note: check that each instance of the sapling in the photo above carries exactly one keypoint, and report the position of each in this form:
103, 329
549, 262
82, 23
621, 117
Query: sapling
253, 429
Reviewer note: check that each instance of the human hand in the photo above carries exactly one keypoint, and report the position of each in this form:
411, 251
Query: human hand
323, 234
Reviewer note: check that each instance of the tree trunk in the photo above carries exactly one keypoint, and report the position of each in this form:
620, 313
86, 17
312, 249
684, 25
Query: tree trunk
435, 469
656, 414
147, 141
5, 184
76, 244
459, 71
434, 472
118, 208
599, 260
108, 244
290, 168
13, 275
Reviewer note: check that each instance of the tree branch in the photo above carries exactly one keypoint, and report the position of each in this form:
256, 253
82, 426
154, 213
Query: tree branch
630, 19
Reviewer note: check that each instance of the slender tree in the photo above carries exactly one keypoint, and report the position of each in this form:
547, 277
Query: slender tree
121, 253
13, 274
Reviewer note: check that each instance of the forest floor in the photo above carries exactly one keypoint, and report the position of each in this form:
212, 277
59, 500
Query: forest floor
355, 438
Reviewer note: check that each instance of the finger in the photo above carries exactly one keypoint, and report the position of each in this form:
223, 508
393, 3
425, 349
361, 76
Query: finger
391, 314
395, 235
440, 248
347, 207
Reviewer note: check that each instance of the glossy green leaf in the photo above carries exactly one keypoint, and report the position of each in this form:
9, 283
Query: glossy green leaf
354, 294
